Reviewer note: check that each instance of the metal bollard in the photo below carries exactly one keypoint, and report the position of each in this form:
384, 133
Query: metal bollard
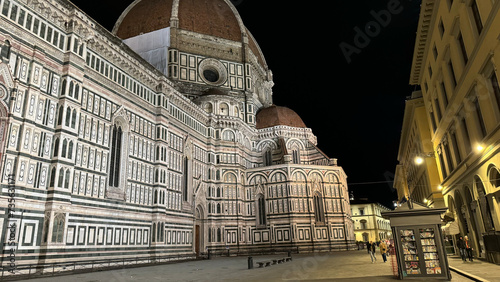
250, 263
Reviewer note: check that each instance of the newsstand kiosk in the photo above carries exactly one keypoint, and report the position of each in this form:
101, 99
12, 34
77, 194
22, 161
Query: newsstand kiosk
419, 242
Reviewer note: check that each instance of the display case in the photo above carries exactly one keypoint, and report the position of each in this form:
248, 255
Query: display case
419, 243
421, 254
410, 251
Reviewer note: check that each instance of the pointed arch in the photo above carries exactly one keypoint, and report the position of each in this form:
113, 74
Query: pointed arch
261, 216
58, 228
118, 153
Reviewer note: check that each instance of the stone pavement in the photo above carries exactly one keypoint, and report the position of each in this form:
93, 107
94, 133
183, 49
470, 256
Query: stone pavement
477, 269
346, 266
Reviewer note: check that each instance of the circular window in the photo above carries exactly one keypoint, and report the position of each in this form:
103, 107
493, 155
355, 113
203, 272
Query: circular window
211, 75
212, 72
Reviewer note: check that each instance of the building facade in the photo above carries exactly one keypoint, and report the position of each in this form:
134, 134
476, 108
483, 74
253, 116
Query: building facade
158, 138
369, 225
417, 177
455, 64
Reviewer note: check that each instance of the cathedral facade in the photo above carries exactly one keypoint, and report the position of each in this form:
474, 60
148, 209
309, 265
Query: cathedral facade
158, 138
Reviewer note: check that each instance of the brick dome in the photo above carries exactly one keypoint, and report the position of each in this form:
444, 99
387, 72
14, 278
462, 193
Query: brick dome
276, 115
217, 18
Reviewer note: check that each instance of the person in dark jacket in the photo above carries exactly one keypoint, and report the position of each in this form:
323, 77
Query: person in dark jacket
371, 251
461, 248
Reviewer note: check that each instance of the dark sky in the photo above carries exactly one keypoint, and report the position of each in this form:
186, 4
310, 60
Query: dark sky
354, 108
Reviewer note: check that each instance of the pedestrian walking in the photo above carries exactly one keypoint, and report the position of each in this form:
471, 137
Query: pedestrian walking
383, 250
371, 251
368, 246
461, 248
468, 248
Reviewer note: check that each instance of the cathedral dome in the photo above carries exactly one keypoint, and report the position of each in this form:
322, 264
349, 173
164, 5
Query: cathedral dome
217, 18
276, 115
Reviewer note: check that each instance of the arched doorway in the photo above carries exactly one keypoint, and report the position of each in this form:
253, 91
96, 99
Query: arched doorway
199, 234
474, 220
461, 211
484, 206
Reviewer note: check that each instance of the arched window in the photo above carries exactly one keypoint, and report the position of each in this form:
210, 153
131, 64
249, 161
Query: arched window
208, 108
261, 210
52, 177
224, 109
63, 87
60, 115
153, 233
73, 119
296, 156
61, 178
77, 91
64, 148
5, 52
114, 168
66, 179
363, 224
80, 50
494, 177
319, 212
268, 157
58, 228
68, 116
162, 232
71, 88
185, 180
56, 147
70, 150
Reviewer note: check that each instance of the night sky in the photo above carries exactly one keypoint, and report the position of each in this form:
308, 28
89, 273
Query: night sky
353, 103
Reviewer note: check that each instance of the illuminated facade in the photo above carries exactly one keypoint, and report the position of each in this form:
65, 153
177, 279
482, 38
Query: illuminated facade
455, 64
416, 175
369, 225
163, 143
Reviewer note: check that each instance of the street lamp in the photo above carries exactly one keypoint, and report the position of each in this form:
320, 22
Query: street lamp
419, 159
479, 148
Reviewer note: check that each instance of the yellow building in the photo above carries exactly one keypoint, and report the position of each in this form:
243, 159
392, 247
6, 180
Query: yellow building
417, 173
457, 51
369, 225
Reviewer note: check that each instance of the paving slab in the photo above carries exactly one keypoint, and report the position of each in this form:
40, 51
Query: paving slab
346, 266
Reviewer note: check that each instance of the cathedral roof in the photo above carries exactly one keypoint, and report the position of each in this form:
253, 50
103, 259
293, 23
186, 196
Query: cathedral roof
217, 18
277, 115
211, 17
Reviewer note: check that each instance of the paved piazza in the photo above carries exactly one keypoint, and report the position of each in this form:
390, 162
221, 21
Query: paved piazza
337, 266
